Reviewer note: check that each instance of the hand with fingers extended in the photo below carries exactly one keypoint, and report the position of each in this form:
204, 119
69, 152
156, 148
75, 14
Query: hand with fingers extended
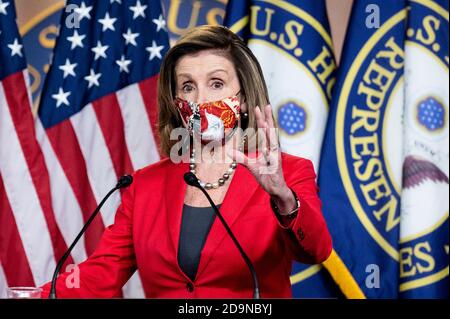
266, 166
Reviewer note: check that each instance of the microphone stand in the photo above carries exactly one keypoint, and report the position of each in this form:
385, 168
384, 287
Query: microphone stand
192, 180
123, 182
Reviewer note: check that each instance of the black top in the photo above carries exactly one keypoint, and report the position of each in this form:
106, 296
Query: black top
196, 223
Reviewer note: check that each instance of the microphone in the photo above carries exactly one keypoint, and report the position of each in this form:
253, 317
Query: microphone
123, 182
192, 180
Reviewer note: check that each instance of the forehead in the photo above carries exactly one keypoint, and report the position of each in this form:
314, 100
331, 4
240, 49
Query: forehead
203, 62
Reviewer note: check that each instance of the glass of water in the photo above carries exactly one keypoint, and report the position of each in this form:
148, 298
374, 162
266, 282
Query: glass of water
24, 292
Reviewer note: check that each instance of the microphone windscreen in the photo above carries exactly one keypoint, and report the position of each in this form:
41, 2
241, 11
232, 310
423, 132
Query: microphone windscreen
191, 179
124, 181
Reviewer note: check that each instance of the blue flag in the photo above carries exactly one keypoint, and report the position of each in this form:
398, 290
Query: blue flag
361, 202
292, 42
384, 165
424, 227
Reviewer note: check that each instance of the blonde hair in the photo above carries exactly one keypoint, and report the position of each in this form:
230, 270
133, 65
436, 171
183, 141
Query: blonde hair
228, 44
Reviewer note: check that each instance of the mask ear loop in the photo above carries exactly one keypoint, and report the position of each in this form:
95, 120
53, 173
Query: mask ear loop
244, 119
244, 116
230, 135
227, 138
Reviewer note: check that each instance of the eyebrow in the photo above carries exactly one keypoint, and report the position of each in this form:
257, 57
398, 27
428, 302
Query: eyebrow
188, 75
217, 70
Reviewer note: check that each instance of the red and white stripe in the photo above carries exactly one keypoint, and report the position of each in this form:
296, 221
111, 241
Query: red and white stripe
3, 282
51, 180
139, 134
24, 191
65, 201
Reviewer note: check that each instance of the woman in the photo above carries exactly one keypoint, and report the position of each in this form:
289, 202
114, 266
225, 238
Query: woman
211, 85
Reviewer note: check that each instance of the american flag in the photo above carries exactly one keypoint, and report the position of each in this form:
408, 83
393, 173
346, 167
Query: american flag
96, 121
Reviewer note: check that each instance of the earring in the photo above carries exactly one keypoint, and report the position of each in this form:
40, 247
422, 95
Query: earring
245, 115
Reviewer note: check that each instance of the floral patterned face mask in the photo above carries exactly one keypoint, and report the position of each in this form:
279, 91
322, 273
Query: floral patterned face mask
210, 119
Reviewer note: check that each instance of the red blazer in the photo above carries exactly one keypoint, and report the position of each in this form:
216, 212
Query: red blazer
146, 230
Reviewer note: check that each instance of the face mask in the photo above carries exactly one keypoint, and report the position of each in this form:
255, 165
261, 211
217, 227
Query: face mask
210, 119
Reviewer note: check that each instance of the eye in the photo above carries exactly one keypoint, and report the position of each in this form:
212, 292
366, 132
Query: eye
187, 88
217, 84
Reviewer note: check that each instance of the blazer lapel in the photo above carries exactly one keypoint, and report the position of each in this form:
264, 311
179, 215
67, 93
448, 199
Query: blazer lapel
241, 189
175, 189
